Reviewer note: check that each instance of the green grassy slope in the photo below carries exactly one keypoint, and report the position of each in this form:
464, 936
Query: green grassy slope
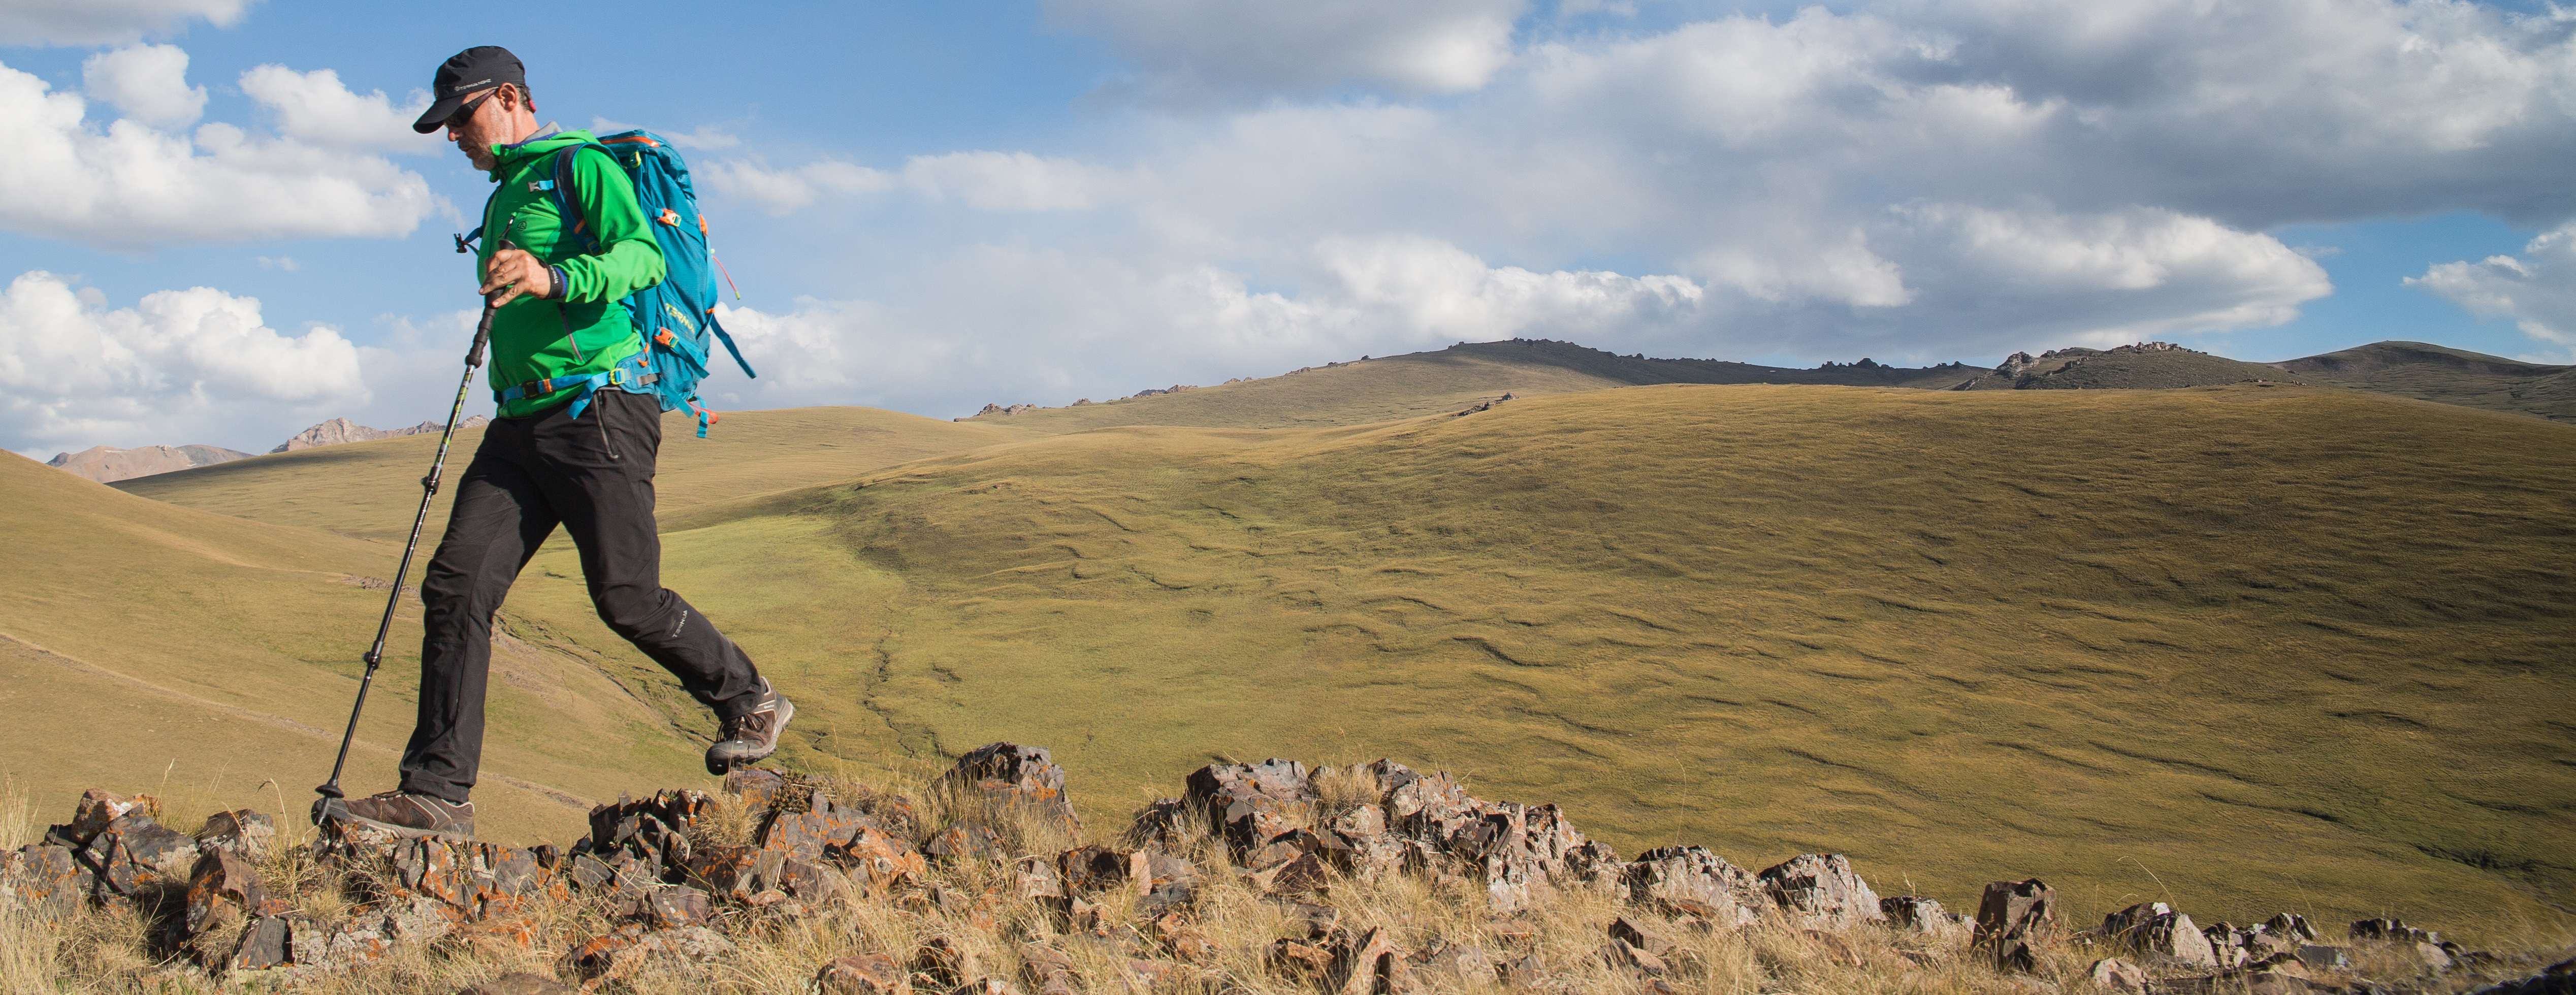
139, 638
2451, 376
2245, 648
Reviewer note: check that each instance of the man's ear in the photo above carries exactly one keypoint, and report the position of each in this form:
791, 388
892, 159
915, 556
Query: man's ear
513, 98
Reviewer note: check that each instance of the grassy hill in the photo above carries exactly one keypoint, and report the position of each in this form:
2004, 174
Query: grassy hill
1423, 383
2451, 376
147, 645
2123, 368
2247, 648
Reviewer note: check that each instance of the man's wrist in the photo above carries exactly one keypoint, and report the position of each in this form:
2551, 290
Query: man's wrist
562, 285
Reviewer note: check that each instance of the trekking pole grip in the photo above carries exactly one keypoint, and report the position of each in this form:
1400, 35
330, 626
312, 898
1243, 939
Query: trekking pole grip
482, 336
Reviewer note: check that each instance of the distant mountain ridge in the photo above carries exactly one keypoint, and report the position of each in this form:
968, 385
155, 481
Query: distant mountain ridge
2430, 372
339, 430
108, 464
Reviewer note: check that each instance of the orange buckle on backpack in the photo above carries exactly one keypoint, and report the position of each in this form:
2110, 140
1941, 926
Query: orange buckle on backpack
663, 336
669, 217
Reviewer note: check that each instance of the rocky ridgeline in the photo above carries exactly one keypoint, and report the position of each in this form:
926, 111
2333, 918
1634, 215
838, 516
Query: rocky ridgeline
341, 430
674, 896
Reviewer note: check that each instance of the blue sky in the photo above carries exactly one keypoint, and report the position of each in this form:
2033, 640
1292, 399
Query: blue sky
931, 206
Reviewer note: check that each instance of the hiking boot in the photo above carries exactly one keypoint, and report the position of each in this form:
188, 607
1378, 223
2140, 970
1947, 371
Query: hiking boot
402, 814
753, 735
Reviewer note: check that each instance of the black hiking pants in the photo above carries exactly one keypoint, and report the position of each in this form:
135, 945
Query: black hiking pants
594, 476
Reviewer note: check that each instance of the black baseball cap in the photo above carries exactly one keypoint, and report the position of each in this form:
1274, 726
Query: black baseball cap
464, 74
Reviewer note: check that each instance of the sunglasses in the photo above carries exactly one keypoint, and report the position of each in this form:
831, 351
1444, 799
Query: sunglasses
466, 113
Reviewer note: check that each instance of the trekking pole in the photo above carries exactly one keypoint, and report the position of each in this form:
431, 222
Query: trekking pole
330, 790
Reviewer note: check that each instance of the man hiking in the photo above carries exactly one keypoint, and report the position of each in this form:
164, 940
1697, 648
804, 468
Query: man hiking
570, 447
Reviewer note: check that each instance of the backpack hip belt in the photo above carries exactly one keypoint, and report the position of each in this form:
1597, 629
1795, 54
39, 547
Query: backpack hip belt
615, 378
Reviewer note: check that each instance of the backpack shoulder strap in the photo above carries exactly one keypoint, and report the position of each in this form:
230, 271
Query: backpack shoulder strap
563, 188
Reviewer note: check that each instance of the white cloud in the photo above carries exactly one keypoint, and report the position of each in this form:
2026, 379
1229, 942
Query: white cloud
130, 185
1015, 323
1195, 51
1439, 293
2537, 290
313, 108
181, 366
148, 82
784, 191
286, 263
106, 22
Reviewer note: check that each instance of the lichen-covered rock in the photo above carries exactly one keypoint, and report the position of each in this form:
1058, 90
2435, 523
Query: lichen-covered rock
1821, 891
134, 852
1366, 965
1049, 970
1248, 805
243, 832
2157, 930
45, 880
222, 888
1524, 852
1020, 779
813, 882
1641, 934
2390, 931
665, 906
1171, 883
1159, 824
757, 788
1301, 875
1689, 880
2011, 918
964, 841
627, 950
92, 815
264, 944
882, 859
1094, 869
1917, 914
2111, 974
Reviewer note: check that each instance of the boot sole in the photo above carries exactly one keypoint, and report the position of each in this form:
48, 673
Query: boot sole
786, 714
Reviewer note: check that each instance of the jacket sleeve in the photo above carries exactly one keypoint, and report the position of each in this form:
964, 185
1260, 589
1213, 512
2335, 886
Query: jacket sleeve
628, 259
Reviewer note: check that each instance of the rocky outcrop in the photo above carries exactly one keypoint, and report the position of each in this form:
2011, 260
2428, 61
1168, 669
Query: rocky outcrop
685, 878
1691, 881
2160, 933
1819, 891
339, 430
1022, 780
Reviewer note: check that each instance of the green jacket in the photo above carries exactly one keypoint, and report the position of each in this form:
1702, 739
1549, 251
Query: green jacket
587, 331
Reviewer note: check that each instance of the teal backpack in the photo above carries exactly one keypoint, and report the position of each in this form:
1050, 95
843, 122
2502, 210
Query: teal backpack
676, 318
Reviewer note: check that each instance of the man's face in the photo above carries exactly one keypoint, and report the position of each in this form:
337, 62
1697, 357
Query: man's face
475, 133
